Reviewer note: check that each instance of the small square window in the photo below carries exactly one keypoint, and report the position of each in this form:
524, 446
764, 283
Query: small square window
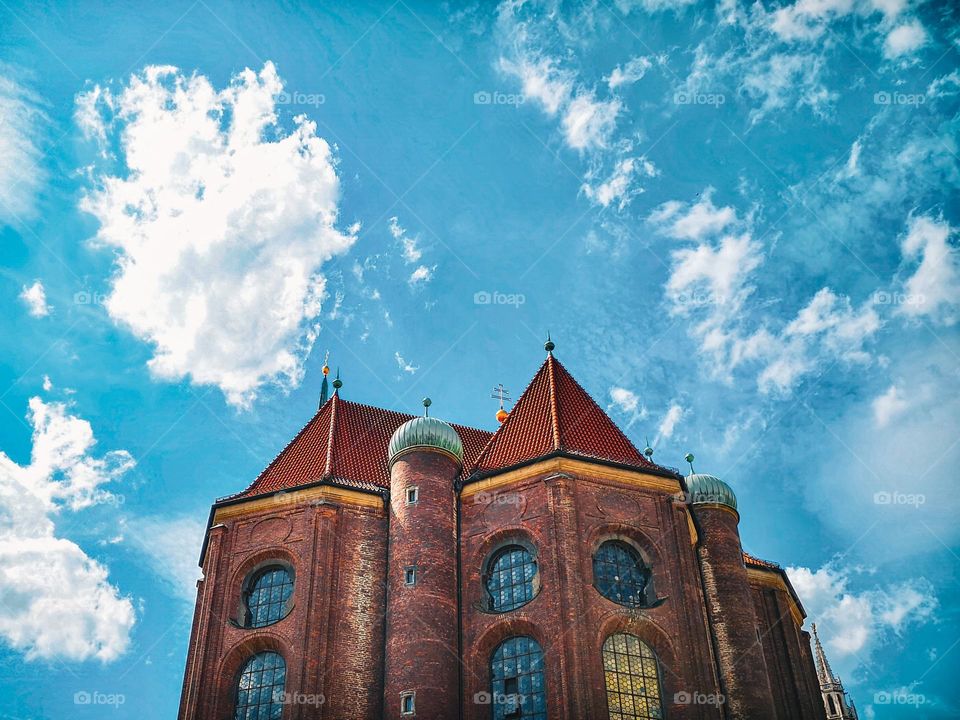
413, 495
408, 703
410, 575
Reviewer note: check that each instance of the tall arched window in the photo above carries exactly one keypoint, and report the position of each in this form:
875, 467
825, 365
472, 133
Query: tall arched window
632, 676
260, 688
620, 575
266, 596
516, 679
510, 578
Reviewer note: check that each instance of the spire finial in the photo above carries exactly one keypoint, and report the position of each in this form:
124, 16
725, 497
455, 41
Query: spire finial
548, 345
337, 383
427, 402
824, 672
501, 393
324, 389
647, 451
689, 458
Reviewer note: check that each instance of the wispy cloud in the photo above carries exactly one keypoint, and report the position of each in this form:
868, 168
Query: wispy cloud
35, 298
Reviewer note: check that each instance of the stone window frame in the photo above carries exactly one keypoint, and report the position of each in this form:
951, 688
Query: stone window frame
411, 696
650, 599
415, 489
491, 555
249, 576
410, 575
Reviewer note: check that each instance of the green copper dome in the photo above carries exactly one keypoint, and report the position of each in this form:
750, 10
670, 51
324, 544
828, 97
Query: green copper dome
426, 432
709, 490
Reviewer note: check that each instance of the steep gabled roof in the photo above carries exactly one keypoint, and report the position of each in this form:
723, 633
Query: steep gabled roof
345, 443
556, 415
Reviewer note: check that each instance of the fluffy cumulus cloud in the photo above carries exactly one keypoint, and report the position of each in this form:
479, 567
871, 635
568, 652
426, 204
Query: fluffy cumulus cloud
905, 39
35, 298
45, 578
21, 174
853, 623
711, 284
221, 221
932, 289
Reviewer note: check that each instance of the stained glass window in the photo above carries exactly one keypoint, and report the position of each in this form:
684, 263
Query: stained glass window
510, 578
619, 574
267, 596
632, 676
516, 673
260, 693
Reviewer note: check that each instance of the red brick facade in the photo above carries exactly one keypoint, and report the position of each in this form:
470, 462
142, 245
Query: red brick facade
356, 637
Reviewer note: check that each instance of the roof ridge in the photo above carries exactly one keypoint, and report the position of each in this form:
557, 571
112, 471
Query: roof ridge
328, 461
554, 404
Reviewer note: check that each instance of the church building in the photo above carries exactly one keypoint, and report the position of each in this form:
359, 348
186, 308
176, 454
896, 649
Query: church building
391, 566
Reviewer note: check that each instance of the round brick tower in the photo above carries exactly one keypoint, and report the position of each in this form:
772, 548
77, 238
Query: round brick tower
729, 600
422, 661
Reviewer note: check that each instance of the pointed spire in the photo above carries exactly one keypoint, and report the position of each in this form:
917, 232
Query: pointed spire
337, 383
824, 673
324, 388
548, 345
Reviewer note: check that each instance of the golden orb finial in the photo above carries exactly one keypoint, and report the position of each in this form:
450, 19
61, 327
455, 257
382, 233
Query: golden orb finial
501, 415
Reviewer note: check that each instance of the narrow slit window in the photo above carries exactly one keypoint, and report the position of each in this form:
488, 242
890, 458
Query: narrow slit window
413, 495
410, 575
408, 703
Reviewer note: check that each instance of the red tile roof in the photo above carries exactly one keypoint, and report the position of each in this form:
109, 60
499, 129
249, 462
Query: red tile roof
346, 443
555, 414
749, 559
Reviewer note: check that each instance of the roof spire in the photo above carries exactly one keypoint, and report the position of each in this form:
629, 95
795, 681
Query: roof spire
824, 673
427, 402
648, 450
548, 345
501, 393
689, 458
324, 388
337, 383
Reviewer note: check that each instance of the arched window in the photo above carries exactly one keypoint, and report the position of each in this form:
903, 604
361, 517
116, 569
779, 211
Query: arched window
516, 679
266, 596
619, 574
632, 676
260, 688
510, 578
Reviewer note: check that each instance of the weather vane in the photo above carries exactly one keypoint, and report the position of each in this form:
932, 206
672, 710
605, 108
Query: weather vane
501, 393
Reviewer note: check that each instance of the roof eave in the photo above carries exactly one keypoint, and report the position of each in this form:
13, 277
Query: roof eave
653, 470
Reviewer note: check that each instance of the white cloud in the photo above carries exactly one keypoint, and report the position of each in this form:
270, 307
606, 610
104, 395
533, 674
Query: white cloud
58, 602
852, 168
904, 39
626, 400
221, 226
47, 383
785, 80
669, 422
933, 290
421, 275
633, 71
411, 250
35, 297
588, 122
888, 406
172, 548
21, 175
693, 222
404, 365
541, 81
853, 624
620, 187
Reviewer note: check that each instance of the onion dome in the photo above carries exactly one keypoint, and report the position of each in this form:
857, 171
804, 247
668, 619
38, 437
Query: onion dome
708, 489
426, 433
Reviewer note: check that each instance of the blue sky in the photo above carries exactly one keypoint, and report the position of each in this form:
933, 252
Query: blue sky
737, 221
